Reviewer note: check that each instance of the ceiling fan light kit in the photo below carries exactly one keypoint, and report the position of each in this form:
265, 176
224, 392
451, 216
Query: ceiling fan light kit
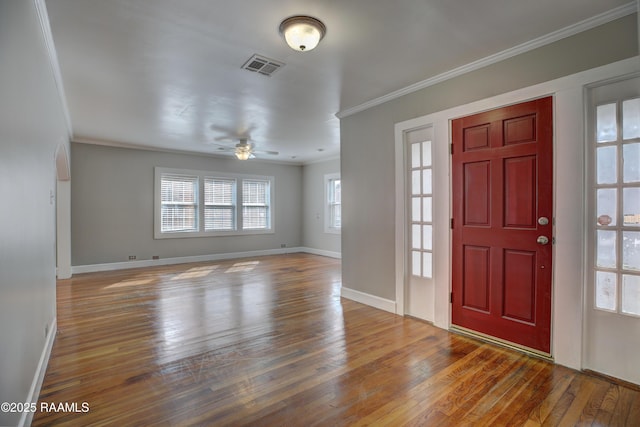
243, 150
302, 33
243, 154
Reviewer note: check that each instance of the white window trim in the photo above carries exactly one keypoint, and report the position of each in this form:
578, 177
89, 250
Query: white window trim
328, 228
158, 234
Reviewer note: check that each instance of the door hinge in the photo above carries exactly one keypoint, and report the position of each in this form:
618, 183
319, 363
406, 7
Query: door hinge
451, 297
451, 223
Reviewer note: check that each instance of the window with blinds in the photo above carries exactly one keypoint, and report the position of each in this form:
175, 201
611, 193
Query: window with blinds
179, 203
203, 203
219, 204
255, 204
333, 203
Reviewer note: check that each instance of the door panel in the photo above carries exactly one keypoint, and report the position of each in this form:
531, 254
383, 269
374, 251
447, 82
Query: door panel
519, 285
520, 130
477, 193
520, 192
475, 287
502, 184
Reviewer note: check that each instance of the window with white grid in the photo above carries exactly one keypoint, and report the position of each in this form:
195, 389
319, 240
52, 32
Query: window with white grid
616, 191
421, 209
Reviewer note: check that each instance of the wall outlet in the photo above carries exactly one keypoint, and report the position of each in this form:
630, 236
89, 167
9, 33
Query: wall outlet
283, 245
155, 257
132, 257
46, 330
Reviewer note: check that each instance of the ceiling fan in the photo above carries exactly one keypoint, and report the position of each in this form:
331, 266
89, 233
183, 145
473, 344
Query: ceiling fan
244, 150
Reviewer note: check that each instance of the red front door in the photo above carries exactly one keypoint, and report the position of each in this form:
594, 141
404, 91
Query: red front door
502, 213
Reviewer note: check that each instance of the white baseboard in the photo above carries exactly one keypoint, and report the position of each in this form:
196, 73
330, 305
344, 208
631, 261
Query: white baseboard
92, 268
38, 378
368, 299
321, 252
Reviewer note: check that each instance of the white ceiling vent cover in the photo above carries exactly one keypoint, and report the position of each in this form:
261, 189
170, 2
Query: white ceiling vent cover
262, 65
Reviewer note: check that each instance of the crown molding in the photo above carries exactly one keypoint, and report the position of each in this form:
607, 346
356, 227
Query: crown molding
571, 30
132, 146
322, 160
45, 27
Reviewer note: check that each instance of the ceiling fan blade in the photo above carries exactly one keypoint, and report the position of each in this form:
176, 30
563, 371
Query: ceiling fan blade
221, 147
233, 138
241, 144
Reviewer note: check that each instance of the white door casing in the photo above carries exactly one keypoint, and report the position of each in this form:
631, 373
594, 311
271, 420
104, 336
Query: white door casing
569, 205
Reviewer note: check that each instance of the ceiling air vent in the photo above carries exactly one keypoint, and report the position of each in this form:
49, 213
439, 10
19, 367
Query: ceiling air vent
262, 65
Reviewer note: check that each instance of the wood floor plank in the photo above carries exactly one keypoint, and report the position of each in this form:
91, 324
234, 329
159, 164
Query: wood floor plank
560, 384
268, 341
624, 408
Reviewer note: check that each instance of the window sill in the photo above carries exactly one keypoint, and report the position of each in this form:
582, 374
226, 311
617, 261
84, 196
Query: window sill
333, 231
194, 234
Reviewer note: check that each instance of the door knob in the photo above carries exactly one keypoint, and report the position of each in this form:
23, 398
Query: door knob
543, 220
543, 240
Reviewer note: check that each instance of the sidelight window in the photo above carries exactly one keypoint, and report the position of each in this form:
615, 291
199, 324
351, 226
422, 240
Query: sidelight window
617, 207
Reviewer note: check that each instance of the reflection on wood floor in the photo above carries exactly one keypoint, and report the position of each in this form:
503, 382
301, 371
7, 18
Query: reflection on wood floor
269, 342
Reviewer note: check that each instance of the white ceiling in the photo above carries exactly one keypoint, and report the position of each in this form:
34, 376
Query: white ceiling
166, 73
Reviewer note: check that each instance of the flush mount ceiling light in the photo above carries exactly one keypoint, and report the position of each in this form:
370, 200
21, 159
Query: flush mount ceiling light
302, 33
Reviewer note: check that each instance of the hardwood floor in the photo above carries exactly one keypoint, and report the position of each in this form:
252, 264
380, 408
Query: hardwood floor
269, 342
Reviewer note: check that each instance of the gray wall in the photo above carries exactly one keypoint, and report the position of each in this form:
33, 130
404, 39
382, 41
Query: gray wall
367, 141
31, 126
314, 207
112, 205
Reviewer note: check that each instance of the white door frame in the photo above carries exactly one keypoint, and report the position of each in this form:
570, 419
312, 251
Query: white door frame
63, 211
567, 314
